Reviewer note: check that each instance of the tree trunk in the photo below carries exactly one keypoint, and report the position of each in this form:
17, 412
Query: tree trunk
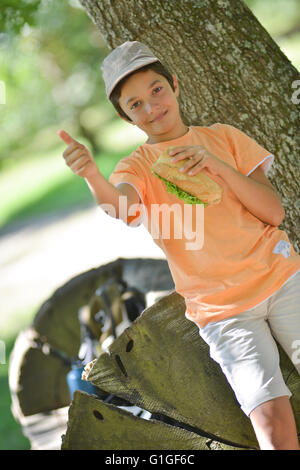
229, 69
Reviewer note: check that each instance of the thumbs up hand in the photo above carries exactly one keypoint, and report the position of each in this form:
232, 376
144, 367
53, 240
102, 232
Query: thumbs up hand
78, 157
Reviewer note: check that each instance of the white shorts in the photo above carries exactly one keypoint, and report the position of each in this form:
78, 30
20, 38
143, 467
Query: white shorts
245, 349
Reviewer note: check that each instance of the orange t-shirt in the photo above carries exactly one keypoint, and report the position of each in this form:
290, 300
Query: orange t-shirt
223, 259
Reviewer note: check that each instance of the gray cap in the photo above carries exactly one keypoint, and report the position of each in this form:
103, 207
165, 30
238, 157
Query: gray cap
129, 56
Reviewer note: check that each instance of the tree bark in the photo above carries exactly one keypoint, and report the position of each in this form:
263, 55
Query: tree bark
229, 69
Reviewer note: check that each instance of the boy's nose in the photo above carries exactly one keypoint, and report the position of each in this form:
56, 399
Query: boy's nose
149, 107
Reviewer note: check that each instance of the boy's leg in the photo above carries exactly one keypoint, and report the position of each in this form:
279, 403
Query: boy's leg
273, 421
284, 318
248, 355
274, 425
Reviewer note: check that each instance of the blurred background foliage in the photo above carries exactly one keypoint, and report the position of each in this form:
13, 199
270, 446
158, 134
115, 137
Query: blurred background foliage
50, 57
50, 63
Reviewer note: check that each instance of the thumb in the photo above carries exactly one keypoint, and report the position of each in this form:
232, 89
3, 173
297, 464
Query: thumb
66, 137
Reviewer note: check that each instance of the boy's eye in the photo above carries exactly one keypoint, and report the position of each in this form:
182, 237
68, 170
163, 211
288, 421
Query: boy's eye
134, 105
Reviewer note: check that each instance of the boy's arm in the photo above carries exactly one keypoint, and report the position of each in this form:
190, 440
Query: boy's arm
107, 194
134, 203
130, 192
104, 193
82, 163
256, 193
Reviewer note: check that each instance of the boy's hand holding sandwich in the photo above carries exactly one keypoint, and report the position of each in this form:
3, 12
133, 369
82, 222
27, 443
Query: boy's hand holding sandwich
198, 158
192, 188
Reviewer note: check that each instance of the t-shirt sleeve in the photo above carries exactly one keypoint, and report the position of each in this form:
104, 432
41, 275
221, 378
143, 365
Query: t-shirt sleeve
128, 171
248, 154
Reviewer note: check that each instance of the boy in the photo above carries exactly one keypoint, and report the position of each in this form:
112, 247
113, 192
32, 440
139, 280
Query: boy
243, 283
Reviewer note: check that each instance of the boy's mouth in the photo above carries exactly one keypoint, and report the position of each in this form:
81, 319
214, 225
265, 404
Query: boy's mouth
159, 117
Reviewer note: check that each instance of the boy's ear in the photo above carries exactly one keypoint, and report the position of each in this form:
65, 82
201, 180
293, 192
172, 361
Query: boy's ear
176, 85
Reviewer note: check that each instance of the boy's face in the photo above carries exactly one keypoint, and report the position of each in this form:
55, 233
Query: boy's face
148, 99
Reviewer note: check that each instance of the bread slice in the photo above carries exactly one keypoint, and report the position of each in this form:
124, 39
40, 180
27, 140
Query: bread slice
200, 185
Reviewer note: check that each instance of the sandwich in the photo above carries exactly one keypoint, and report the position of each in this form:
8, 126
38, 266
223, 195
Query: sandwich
192, 189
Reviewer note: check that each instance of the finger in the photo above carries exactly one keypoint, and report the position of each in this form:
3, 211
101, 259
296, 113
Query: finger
66, 137
196, 168
74, 154
191, 163
82, 169
188, 148
79, 163
177, 150
72, 149
185, 148
187, 154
